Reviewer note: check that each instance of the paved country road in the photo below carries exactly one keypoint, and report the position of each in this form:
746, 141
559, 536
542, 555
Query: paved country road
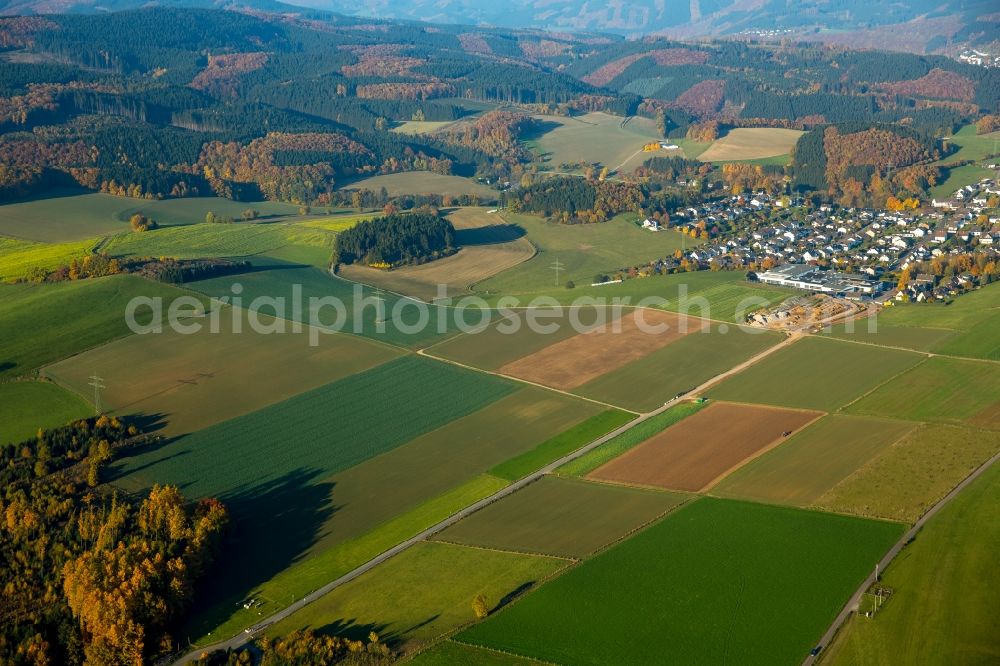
253, 630
852, 604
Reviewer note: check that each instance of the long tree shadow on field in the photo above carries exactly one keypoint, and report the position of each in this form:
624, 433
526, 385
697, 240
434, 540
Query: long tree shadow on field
491, 234
271, 527
355, 631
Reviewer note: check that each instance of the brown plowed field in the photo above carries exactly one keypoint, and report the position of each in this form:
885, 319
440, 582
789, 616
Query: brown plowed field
700, 449
586, 356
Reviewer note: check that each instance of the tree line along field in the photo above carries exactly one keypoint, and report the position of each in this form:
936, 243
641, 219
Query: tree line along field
188, 382
712, 580
488, 245
940, 611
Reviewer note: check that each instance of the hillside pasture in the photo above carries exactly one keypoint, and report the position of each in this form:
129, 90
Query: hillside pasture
593, 138
583, 252
943, 607
940, 389
751, 143
74, 216
423, 182
189, 382
41, 323
910, 476
815, 373
575, 361
27, 407
199, 241
19, 258
694, 453
487, 246
647, 383
710, 568
561, 516
435, 599
813, 460
971, 146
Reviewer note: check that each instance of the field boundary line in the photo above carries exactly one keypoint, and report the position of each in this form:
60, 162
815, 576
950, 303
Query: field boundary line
896, 548
928, 354
842, 408
251, 631
504, 551
426, 354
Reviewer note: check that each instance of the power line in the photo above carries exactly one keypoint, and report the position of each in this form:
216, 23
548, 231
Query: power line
98, 384
557, 266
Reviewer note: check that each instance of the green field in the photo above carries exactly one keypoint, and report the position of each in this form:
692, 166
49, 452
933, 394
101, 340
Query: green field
943, 606
940, 389
972, 146
26, 407
423, 182
582, 250
18, 258
562, 517
562, 444
316, 433
221, 612
194, 381
42, 323
910, 476
815, 373
594, 138
812, 461
449, 653
417, 596
625, 441
716, 581
274, 278
198, 241
76, 216
647, 383
968, 326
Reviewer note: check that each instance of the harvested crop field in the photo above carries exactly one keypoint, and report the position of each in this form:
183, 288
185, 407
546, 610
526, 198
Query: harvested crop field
190, 382
488, 245
715, 582
561, 516
423, 182
698, 450
586, 356
594, 138
813, 460
751, 143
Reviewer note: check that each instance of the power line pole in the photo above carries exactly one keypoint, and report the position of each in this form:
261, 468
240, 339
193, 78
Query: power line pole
98, 384
557, 266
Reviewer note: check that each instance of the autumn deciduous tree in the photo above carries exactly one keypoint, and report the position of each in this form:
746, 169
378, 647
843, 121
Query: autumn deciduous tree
479, 607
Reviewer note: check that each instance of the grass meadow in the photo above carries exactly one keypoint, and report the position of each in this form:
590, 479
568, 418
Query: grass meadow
815, 373
448, 653
199, 241
18, 258
40, 323
74, 216
812, 461
417, 596
943, 608
190, 382
910, 476
26, 407
423, 182
562, 517
594, 138
715, 581
939, 389
971, 146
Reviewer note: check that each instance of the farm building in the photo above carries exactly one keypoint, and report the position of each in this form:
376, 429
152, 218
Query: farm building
812, 278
